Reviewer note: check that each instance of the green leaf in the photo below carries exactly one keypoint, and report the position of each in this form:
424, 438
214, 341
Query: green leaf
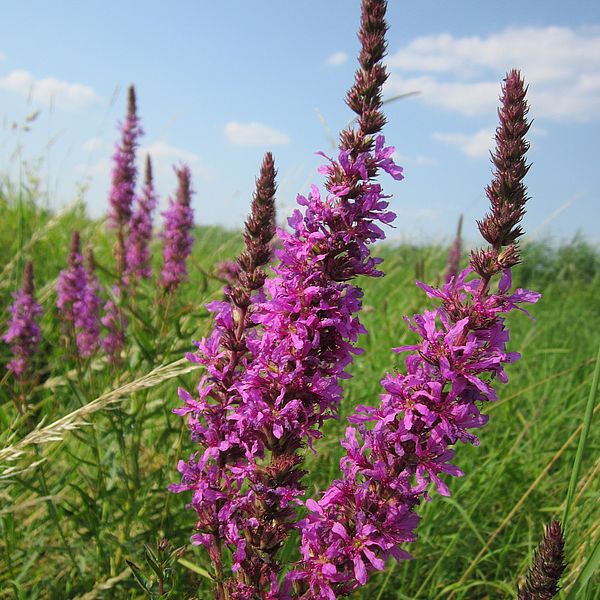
590, 567
195, 568
153, 561
144, 582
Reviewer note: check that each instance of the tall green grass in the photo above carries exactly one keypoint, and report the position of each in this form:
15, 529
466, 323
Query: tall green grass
75, 506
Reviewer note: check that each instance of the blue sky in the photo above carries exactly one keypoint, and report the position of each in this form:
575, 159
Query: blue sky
220, 83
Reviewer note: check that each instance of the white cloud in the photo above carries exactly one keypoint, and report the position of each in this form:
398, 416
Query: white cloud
93, 144
254, 134
64, 95
425, 160
467, 98
100, 169
336, 59
476, 145
165, 156
561, 65
419, 159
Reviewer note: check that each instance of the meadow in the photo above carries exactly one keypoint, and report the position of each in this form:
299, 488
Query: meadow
93, 444
84, 473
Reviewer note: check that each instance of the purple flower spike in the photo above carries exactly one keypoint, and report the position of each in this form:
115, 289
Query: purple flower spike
226, 356
176, 235
140, 231
78, 300
507, 193
23, 333
123, 179
88, 317
71, 281
247, 478
116, 324
542, 582
404, 445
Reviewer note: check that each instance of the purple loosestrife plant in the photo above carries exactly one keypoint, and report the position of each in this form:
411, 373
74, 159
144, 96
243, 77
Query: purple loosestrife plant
176, 235
140, 231
88, 317
71, 282
303, 340
397, 449
115, 323
124, 176
78, 301
226, 355
23, 333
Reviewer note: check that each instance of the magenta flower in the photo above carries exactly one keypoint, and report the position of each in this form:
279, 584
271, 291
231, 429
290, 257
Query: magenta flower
290, 381
23, 333
403, 445
87, 322
124, 176
246, 479
115, 324
176, 235
79, 300
71, 282
140, 231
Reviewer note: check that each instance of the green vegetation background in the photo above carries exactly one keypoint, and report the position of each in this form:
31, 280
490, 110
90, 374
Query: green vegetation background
73, 509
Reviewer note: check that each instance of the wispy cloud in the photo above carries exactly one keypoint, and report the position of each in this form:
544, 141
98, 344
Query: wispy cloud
336, 59
255, 134
561, 64
475, 145
93, 144
64, 95
164, 157
419, 159
2, 56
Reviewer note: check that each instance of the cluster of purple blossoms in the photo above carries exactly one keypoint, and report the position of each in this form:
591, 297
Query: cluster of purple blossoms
137, 257
23, 333
226, 355
362, 519
176, 235
79, 300
276, 358
115, 323
124, 175
247, 478
88, 323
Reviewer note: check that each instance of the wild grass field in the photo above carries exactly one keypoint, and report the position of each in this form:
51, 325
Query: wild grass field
84, 471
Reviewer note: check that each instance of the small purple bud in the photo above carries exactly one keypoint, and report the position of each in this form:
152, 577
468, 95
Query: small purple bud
542, 582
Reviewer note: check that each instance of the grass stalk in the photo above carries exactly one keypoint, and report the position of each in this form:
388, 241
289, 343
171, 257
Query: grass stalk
585, 430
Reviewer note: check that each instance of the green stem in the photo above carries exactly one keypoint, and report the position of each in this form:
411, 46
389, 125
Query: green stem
587, 422
54, 514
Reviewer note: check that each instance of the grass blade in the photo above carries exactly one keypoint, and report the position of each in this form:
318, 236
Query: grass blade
587, 421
